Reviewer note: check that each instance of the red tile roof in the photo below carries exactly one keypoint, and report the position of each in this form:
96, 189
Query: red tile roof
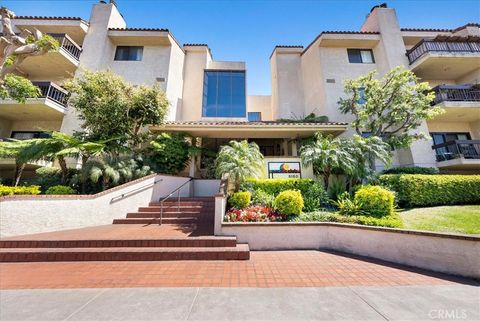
48, 18
195, 44
248, 123
138, 29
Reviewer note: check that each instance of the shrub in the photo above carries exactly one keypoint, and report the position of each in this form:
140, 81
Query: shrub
168, 153
19, 190
60, 190
336, 188
375, 200
347, 206
432, 190
315, 197
240, 200
412, 170
47, 177
260, 197
253, 214
393, 220
289, 202
277, 185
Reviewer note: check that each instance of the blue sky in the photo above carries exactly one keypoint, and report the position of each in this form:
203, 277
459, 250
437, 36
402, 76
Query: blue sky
248, 30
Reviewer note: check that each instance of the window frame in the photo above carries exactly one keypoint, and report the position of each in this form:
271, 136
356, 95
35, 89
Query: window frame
115, 58
359, 50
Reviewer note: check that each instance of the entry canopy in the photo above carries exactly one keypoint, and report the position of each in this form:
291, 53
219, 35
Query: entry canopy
244, 129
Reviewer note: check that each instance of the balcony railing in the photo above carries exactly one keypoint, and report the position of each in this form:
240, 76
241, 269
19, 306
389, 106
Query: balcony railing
467, 149
456, 93
68, 44
427, 45
53, 91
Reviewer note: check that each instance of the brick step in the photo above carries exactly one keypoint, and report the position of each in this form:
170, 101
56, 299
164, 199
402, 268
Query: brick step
200, 241
174, 209
165, 215
175, 204
204, 202
183, 220
186, 203
239, 252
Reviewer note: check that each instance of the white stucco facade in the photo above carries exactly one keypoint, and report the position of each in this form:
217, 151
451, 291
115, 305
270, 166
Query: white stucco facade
304, 80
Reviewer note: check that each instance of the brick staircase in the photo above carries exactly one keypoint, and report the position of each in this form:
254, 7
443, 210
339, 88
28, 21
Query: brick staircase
186, 233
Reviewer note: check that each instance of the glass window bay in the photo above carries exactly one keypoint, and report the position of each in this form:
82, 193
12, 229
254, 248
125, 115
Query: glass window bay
224, 94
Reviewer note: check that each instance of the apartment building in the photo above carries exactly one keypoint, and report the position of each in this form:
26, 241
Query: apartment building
208, 98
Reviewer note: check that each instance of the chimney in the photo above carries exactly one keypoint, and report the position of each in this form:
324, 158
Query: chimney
371, 22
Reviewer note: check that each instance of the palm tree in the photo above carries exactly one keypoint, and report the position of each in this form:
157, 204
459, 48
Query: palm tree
103, 168
11, 149
325, 155
239, 160
58, 146
366, 150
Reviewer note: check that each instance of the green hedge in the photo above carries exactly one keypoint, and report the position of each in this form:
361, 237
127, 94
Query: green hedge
432, 190
240, 200
375, 200
19, 190
60, 190
393, 220
277, 185
412, 170
289, 202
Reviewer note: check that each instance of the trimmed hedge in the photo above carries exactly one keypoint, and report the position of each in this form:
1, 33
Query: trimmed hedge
375, 200
412, 170
432, 190
277, 185
289, 202
393, 220
240, 200
60, 190
19, 190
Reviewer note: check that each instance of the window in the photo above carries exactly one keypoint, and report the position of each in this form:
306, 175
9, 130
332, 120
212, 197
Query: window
28, 135
254, 116
360, 56
224, 94
129, 53
361, 93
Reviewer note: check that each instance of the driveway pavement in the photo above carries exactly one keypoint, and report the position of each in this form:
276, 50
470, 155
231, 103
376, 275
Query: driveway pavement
419, 302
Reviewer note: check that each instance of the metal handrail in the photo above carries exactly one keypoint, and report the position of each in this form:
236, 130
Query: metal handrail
121, 196
169, 195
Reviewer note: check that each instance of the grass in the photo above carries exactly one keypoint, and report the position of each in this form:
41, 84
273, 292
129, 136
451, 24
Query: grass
457, 219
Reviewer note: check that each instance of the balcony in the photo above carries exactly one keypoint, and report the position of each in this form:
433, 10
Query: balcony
59, 64
445, 57
458, 154
51, 105
460, 102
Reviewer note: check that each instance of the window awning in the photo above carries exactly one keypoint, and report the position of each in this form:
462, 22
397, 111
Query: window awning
244, 129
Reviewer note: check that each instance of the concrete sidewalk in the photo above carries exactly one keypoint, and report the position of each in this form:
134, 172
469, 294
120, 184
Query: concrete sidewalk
437, 302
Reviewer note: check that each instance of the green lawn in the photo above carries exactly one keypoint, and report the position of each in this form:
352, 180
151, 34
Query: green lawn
458, 219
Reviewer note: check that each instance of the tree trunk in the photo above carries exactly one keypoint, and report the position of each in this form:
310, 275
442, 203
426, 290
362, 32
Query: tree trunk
83, 173
18, 173
326, 178
64, 169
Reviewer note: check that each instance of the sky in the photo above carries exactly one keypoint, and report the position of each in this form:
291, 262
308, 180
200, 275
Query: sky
249, 30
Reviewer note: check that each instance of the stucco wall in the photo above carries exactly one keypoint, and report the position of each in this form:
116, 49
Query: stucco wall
431, 251
262, 104
26, 214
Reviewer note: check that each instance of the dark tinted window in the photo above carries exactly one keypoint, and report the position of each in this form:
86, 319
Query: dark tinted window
224, 94
360, 56
254, 116
130, 53
29, 135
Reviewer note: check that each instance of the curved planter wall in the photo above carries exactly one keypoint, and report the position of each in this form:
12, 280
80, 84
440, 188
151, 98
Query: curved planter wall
448, 253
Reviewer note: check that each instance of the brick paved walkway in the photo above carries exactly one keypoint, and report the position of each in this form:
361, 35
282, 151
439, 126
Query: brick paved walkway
264, 269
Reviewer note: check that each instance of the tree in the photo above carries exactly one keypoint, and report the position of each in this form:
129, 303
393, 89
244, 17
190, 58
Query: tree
14, 49
392, 107
111, 107
168, 153
348, 156
326, 154
58, 146
239, 160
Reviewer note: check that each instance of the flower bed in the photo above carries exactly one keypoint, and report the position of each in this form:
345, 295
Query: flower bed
254, 214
